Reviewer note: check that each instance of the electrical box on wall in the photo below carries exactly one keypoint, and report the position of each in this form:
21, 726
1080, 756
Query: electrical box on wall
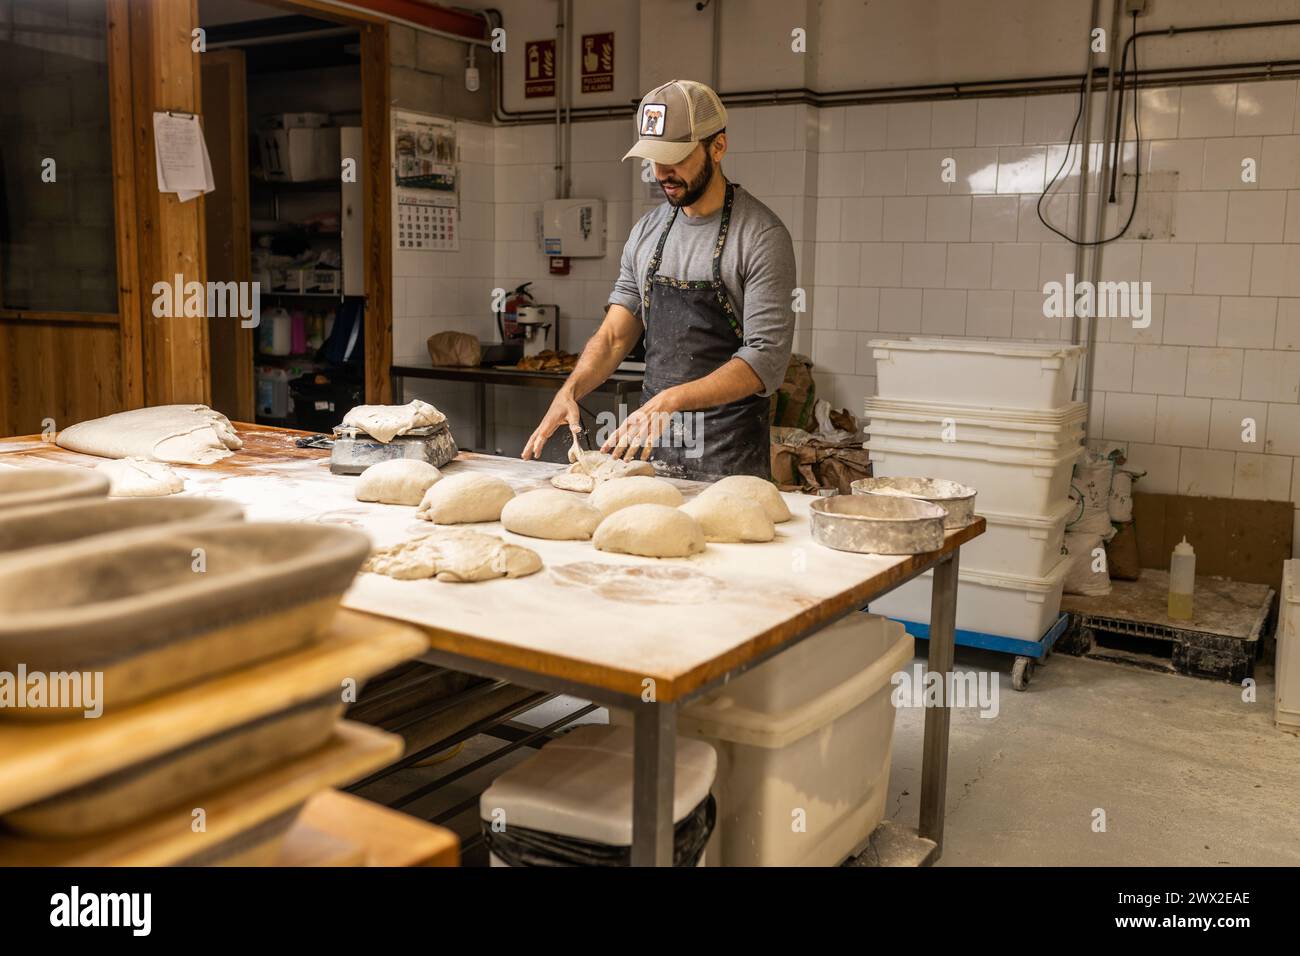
573, 227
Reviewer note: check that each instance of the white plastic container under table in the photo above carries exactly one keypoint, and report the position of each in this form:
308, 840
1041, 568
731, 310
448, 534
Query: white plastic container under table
809, 732
1007, 605
580, 785
1008, 374
1013, 428
1286, 704
1026, 545
1008, 481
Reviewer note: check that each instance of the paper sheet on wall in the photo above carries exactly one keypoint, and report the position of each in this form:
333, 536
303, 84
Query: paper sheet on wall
181, 155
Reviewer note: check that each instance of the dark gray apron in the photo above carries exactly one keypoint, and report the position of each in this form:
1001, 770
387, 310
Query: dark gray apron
691, 331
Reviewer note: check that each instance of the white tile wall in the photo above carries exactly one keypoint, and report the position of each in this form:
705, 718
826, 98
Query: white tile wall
887, 246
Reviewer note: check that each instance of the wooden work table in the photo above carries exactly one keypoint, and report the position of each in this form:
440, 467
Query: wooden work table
643, 634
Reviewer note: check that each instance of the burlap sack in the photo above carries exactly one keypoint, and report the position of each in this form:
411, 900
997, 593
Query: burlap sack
454, 348
814, 464
793, 401
1122, 554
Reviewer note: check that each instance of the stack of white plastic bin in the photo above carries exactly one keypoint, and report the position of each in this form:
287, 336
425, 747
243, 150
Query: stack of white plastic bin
995, 416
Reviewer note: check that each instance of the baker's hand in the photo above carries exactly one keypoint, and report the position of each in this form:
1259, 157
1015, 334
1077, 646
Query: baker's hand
641, 430
563, 410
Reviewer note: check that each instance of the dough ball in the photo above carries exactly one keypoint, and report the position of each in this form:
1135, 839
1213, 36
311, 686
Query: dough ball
140, 478
465, 499
653, 531
456, 555
759, 490
547, 513
399, 481
726, 517
610, 496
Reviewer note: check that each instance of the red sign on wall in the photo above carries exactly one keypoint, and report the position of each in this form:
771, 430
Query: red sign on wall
539, 68
597, 59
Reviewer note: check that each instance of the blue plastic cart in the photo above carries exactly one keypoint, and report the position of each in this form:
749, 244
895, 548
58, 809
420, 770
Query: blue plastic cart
1026, 652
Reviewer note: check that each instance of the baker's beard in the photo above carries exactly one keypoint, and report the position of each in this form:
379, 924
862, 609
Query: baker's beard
695, 188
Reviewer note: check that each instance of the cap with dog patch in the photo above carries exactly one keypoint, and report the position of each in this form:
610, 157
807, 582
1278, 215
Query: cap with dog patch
674, 117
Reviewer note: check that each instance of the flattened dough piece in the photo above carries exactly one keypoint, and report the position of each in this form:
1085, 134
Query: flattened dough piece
569, 481
399, 481
181, 434
548, 513
456, 555
755, 489
465, 499
611, 496
725, 517
140, 478
385, 422
652, 531
590, 468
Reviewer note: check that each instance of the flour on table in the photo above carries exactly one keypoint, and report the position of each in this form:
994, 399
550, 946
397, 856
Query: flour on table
725, 517
756, 489
455, 555
399, 481
180, 434
465, 499
385, 422
548, 513
140, 478
652, 531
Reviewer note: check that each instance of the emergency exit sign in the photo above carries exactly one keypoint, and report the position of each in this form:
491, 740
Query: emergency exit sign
597, 60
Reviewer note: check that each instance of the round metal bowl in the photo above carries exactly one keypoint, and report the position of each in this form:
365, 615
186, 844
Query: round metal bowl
957, 500
877, 524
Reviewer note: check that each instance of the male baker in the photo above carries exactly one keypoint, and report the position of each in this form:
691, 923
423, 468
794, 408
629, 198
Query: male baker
709, 277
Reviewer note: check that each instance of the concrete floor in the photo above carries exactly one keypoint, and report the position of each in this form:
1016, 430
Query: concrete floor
1186, 772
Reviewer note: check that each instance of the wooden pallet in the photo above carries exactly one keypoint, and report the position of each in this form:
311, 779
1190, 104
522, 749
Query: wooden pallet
1131, 626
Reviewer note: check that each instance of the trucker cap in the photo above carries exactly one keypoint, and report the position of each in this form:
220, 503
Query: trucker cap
674, 117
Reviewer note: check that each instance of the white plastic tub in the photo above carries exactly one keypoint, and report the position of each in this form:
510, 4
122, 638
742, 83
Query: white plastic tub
1004, 604
580, 786
1027, 545
804, 744
1038, 375
1286, 704
905, 438
1008, 481
1012, 428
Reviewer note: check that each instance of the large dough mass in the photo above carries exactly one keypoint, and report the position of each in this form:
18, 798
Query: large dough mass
548, 513
725, 517
465, 499
140, 478
454, 554
399, 481
611, 496
652, 531
385, 422
755, 489
181, 434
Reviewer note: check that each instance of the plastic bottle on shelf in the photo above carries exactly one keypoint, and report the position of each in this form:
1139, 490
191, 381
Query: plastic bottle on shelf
1182, 581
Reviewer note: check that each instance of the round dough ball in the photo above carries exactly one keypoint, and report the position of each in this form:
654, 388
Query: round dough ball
730, 518
618, 493
759, 490
465, 499
548, 513
652, 531
398, 481
140, 478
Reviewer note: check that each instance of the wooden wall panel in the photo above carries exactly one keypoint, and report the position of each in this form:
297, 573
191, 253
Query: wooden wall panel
376, 135
59, 370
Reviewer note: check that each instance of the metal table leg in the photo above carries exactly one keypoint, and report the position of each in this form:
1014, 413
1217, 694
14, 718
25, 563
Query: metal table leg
654, 764
480, 406
396, 384
934, 766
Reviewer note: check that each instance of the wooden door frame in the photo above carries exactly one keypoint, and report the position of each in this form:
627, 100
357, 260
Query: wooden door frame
376, 136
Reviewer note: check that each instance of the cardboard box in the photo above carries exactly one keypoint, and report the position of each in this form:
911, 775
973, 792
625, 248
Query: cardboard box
300, 155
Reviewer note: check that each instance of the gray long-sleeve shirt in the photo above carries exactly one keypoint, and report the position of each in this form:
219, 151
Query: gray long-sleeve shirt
757, 271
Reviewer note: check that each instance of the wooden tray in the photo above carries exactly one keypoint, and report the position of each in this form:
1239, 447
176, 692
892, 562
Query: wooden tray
243, 821
338, 829
38, 760
140, 611
61, 522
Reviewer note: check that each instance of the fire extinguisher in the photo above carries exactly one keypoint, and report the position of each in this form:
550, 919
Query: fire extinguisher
506, 322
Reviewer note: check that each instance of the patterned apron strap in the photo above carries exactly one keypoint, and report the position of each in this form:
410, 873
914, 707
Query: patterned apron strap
652, 267
719, 289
